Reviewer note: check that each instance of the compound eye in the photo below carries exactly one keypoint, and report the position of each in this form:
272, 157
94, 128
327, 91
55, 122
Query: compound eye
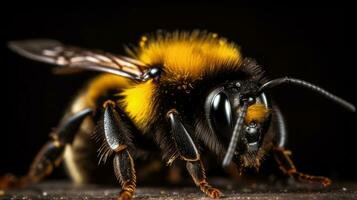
221, 114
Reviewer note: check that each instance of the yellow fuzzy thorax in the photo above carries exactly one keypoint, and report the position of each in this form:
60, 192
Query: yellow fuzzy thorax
184, 58
188, 55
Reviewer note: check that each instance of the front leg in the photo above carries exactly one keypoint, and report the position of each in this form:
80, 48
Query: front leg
187, 151
117, 137
197, 172
282, 155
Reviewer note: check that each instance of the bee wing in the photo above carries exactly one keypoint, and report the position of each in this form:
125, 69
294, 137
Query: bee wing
72, 59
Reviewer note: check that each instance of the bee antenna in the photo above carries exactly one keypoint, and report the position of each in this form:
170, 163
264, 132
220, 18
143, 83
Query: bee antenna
235, 135
305, 84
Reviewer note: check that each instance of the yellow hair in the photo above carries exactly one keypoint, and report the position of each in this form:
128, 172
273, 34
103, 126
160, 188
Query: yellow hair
139, 102
257, 113
103, 83
186, 55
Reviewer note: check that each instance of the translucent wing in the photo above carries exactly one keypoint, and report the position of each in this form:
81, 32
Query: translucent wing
73, 58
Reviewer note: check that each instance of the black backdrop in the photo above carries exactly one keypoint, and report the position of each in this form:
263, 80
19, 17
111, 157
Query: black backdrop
306, 43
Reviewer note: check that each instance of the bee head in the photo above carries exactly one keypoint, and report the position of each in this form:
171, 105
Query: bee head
239, 105
239, 113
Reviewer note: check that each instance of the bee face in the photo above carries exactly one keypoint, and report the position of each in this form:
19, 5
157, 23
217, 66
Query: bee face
222, 107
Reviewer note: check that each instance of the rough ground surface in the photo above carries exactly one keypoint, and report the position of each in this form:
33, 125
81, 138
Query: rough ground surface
66, 190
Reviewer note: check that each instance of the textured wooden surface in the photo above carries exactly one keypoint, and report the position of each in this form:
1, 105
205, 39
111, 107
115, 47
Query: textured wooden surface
66, 190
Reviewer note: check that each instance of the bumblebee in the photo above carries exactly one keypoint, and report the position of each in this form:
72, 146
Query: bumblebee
187, 92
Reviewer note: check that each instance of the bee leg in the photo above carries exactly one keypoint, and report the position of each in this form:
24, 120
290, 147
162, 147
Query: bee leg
282, 156
50, 156
118, 140
197, 172
183, 141
188, 152
125, 173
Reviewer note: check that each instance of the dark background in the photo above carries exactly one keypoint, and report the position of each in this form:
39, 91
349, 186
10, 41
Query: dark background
307, 43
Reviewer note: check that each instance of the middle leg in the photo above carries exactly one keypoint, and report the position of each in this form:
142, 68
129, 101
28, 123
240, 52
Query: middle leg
187, 151
117, 139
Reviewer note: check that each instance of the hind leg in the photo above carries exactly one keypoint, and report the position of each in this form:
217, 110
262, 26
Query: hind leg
50, 156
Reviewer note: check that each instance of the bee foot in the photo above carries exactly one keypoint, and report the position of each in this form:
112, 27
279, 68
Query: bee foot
210, 191
326, 182
214, 193
125, 195
312, 179
7, 181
